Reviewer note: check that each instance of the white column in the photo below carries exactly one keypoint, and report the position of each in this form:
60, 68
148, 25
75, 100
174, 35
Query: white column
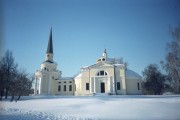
41, 85
35, 89
49, 86
91, 85
113, 85
94, 85
109, 79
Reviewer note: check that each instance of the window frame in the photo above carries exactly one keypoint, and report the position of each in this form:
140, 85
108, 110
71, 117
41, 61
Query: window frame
59, 88
118, 85
138, 86
87, 86
64, 87
70, 87
102, 73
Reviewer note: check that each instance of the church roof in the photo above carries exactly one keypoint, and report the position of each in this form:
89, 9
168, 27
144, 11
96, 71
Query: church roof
50, 44
66, 78
132, 74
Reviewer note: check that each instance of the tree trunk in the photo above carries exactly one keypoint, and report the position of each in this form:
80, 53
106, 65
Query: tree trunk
155, 92
19, 96
12, 98
178, 87
7, 89
2, 93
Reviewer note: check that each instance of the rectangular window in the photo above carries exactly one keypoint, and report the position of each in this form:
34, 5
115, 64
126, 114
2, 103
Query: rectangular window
87, 86
59, 88
138, 86
118, 86
101, 72
70, 87
64, 87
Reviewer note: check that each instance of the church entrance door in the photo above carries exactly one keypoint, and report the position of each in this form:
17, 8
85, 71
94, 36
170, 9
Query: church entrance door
102, 87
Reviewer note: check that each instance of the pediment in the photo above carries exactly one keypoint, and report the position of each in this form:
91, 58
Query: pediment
101, 65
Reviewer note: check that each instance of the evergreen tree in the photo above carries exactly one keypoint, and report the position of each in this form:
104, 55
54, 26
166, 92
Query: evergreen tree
154, 80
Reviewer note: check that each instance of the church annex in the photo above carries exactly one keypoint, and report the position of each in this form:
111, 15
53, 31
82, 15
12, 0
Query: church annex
104, 77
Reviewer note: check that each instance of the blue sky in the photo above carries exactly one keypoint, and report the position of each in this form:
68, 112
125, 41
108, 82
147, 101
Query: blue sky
136, 30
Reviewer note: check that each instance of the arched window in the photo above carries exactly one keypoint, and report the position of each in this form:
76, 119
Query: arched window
64, 87
59, 88
70, 87
102, 73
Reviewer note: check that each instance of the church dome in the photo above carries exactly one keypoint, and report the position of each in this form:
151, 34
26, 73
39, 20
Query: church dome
132, 74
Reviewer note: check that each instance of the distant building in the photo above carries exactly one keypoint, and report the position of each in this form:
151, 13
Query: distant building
103, 77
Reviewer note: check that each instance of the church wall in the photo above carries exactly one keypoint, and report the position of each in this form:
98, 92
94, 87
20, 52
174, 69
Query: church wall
77, 86
132, 87
62, 90
123, 82
120, 77
53, 86
84, 80
54, 75
80, 83
45, 84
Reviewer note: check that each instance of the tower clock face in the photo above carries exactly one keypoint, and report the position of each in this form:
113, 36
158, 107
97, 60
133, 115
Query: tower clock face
103, 59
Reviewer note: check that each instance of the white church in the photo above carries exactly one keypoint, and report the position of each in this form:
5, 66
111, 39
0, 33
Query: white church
103, 77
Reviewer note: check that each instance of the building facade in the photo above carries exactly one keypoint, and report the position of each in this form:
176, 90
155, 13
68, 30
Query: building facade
104, 77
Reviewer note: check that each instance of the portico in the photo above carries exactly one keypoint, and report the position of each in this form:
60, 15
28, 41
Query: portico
102, 84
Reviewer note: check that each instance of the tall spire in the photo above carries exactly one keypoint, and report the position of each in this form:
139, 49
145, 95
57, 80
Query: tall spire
105, 50
50, 44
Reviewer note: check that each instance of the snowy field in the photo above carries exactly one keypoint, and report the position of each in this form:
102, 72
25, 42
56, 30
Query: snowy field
166, 107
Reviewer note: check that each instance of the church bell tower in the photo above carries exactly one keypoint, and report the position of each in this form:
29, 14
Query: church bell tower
47, 75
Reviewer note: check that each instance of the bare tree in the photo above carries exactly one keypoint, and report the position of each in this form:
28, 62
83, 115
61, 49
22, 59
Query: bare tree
13, 82
120, 61
20, 85
9, 67
2, 82
172, 63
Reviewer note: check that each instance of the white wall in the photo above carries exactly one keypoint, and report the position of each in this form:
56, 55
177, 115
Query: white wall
132, 88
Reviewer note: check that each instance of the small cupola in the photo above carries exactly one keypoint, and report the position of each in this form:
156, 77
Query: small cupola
103, 58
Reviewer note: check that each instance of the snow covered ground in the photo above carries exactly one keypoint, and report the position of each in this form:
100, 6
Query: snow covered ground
92, 107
